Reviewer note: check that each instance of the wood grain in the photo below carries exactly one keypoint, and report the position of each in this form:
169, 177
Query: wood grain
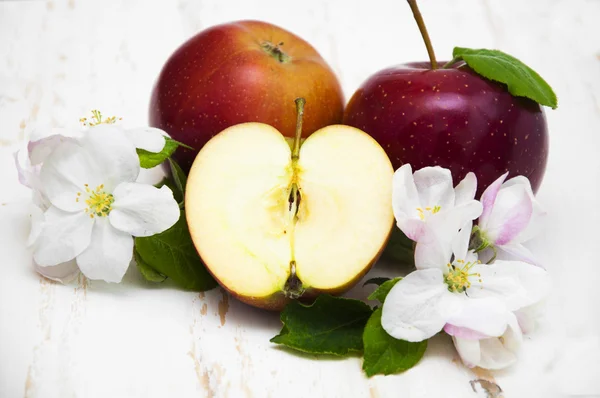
59, 59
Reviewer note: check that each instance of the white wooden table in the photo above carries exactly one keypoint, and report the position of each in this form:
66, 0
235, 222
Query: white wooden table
59, 59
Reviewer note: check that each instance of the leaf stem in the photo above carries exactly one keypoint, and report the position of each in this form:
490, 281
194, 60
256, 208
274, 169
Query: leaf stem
419, 19
451, 62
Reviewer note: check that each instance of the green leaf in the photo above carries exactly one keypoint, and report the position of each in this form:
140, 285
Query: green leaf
521, 80
331, 325
172, 253
149, 273
382, 291
179, 179
386, 355
400, 249
176, 182
376, 281
152, 159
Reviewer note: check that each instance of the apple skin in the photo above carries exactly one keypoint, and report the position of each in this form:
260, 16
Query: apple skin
453, 118
222, 77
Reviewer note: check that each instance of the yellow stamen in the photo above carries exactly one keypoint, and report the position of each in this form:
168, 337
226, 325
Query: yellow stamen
99, 203
97, 119
457, 278
428, 210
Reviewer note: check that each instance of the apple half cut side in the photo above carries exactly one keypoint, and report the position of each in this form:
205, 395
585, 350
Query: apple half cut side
271, 227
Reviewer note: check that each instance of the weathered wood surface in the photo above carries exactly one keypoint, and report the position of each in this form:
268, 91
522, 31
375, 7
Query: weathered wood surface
59, 59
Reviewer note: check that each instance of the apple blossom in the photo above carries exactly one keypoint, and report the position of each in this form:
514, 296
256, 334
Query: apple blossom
487, 352
94, 207
451, 287
422, 197
42, 142
511, 216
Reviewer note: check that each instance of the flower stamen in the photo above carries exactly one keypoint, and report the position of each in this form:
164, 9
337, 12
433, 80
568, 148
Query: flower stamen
99, 203
430, 210
97, 119
458, 275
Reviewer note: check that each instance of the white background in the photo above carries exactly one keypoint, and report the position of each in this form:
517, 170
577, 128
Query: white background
59, 59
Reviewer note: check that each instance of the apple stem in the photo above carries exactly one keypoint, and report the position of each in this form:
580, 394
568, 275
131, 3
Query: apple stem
275, 51
300, 115
423, 29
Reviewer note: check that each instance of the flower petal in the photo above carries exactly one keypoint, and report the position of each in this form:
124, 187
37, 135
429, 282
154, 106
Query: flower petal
108, 255
434, 248
469, 351
465, 190
154, 175
433, 251
528, 316
63, 272
143, 210
405, 201
63, 237
499, 354
435, 188
488, 315
64, 174
460, 244
488, 198
514, 335
521, 253
43, 141
448, 223
147, 138
494, 355
413, 309
113, 154
510, 216
37, 223
536, 223
412, 228
38, 134
29, 176
463, 333
25, 171
515, 283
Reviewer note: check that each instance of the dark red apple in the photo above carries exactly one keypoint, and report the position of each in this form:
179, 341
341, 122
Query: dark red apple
453, 118
246, 71
429, 114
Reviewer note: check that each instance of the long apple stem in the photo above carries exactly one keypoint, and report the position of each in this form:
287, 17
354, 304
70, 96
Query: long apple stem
300, 115
419, 18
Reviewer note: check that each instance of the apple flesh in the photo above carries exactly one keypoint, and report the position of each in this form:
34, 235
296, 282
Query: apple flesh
265, 248
453, 118
246, 71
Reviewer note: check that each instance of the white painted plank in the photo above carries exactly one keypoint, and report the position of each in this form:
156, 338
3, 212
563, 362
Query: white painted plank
58, 59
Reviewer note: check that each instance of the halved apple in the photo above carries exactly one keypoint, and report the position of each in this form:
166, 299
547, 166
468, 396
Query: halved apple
274, 223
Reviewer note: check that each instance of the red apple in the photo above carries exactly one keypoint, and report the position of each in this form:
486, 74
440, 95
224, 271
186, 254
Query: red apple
429, 114
246, 71
453, 118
